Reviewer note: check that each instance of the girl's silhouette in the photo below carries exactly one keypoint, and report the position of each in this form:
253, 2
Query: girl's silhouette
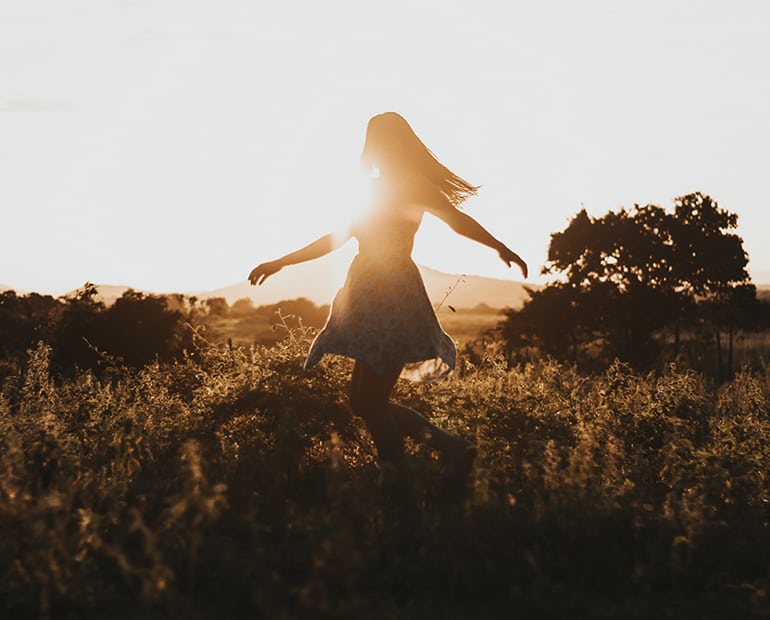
382, 317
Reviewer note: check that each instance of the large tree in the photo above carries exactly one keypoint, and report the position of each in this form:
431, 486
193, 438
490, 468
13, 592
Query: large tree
623, 277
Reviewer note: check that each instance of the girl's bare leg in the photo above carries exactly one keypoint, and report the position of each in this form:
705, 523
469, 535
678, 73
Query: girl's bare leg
389, 423
412, 424
369, 396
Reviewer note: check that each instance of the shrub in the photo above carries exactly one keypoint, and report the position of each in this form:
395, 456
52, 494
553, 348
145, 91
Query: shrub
231, 483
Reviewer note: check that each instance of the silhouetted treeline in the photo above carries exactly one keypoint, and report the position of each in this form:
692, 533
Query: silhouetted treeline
244, 324
638, 286
83, 333
294, 311
137, 329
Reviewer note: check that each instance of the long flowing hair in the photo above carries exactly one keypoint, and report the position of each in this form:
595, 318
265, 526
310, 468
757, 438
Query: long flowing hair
392, 142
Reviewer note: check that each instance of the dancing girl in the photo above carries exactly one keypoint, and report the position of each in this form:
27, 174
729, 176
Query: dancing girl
382, 317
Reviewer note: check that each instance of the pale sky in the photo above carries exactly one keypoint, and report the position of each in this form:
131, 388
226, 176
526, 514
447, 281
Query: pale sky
172, 145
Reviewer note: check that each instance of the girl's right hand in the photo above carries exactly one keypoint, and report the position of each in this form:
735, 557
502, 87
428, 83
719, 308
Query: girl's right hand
262, 272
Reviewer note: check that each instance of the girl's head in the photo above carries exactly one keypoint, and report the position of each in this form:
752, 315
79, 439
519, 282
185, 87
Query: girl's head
392, 147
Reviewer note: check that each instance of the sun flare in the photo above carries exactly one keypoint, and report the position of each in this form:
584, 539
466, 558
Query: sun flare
353, 200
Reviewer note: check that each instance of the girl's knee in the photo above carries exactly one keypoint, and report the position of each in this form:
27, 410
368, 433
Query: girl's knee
370, 392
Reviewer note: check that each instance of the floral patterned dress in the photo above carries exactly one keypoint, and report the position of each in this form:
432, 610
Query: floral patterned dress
382, 314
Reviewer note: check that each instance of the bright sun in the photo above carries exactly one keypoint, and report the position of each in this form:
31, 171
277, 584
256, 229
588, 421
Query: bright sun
353, 199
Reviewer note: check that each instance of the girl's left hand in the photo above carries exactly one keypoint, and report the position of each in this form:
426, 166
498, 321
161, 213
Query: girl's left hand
508, 256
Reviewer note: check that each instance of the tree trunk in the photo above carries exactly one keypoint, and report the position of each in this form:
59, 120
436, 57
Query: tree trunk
574, 347
719, 354
730, 355
676, 341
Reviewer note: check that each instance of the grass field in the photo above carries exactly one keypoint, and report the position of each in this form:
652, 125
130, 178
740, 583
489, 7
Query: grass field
463, 325
235, 485
467, 325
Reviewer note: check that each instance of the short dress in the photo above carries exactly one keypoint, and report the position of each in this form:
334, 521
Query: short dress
382, 315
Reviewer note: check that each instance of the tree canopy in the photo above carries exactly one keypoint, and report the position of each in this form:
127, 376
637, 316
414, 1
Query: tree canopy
625, 276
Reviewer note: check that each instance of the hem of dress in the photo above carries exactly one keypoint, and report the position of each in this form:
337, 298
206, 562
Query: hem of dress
409, 370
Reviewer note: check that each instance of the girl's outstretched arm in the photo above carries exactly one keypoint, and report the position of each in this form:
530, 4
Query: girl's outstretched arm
319, 247
463, 224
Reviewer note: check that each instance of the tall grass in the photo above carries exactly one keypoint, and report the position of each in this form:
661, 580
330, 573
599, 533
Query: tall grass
235, 484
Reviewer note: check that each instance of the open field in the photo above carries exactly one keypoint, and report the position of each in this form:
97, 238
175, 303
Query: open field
235, 485
464, 325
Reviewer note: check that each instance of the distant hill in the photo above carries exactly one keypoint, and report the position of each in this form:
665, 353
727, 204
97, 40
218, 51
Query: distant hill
319, 280
319, 283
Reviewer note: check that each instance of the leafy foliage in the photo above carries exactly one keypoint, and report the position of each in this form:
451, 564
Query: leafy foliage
231, 483
628, 276
85, 334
